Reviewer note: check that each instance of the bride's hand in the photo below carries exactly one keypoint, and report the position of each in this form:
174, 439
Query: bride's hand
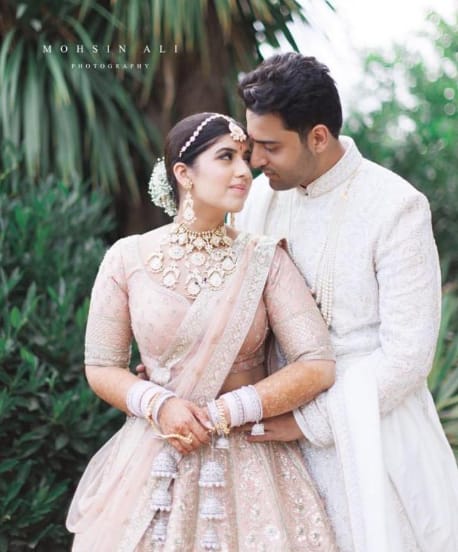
184, 418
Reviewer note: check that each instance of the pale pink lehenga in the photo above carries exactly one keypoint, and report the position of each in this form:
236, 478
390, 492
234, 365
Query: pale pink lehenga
269, 502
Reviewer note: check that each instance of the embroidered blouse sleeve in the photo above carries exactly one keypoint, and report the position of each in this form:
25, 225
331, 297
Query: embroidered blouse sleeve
293, 315
108, 330
407, 271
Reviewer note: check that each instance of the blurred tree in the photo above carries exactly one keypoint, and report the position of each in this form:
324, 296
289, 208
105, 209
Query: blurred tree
68, 122
407, 120
413, 126
106, 124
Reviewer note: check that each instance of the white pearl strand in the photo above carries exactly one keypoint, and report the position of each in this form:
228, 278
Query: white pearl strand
323, 290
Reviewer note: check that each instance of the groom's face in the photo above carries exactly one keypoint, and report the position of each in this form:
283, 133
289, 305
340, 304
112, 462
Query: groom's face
279, 153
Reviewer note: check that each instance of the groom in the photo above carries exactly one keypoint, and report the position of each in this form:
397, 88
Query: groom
362, 238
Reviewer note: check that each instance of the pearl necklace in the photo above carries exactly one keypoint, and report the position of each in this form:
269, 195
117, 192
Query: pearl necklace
207, 257
323, 289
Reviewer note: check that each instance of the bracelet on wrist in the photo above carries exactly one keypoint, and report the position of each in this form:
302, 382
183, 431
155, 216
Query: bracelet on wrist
218, 417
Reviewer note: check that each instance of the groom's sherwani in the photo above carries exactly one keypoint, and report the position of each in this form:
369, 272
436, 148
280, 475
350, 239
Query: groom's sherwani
374, 444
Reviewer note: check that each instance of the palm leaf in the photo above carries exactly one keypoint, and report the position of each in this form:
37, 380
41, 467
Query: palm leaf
32, 102
71, 121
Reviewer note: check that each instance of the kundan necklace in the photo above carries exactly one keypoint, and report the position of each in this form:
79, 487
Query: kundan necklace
207, 258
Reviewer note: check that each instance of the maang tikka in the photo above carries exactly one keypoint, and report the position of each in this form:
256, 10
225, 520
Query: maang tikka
189, 215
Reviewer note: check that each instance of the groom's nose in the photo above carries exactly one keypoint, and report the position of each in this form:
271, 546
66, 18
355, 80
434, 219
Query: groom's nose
257, 158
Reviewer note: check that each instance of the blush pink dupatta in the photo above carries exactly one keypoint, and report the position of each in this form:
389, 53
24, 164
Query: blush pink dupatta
111, 507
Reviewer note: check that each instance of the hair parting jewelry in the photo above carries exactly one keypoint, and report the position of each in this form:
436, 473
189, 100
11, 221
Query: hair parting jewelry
235, 131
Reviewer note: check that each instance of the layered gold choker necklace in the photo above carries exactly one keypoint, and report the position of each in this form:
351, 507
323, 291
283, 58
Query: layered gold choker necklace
207, 258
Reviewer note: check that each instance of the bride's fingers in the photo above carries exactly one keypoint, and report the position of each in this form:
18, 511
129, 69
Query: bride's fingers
202, 415
182, 446
200, 434
176, 444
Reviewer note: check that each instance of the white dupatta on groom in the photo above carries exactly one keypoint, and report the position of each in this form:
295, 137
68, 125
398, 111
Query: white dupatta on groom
374, 444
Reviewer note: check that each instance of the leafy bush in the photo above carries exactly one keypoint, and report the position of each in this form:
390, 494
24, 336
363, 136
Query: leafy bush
50, 421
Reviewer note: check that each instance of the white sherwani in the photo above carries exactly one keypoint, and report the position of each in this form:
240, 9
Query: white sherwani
374, 444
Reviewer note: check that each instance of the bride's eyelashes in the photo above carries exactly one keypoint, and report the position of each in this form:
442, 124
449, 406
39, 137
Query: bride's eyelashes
227, 156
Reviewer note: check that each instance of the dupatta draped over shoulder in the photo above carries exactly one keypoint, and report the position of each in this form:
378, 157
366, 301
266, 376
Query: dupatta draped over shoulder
112, 509
373, 442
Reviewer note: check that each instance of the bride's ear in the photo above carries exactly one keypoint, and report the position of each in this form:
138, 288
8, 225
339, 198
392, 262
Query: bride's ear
181, 173
318, 139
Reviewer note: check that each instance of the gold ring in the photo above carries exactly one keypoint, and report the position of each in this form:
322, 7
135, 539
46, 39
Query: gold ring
185, 438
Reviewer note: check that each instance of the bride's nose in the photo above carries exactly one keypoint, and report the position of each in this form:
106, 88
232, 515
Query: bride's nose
242, 168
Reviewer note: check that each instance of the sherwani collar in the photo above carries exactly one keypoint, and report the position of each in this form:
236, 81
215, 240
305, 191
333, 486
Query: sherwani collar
338, 174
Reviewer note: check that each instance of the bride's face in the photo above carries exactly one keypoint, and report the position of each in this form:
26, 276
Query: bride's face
221, 177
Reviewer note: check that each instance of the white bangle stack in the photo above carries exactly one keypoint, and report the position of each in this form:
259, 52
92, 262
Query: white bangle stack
139, 397
244, 405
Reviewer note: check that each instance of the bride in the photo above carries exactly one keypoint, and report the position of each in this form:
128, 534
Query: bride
202, 302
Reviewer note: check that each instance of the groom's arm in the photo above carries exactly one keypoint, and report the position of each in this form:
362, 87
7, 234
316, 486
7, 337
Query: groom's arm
407, 270
301, 334
279, 428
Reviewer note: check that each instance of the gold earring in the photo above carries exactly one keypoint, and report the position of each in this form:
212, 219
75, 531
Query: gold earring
188, 204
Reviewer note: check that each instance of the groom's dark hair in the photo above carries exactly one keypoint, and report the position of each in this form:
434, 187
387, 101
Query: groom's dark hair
298, 88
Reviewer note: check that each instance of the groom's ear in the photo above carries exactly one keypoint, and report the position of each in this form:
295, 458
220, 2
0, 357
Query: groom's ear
318, 139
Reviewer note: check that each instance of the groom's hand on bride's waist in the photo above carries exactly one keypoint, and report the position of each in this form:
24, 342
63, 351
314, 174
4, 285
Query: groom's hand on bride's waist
278, 428
140, 371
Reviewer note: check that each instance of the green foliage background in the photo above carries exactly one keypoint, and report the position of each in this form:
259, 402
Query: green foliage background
107, 124
413, 130
73, 144
50, 421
